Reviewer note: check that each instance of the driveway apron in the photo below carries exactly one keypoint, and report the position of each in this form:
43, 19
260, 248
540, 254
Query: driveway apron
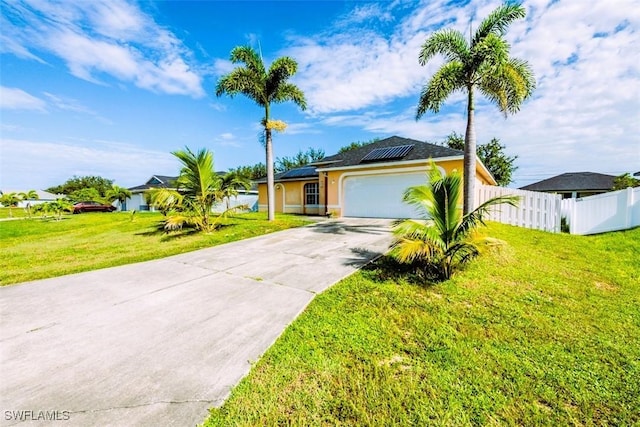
158, 343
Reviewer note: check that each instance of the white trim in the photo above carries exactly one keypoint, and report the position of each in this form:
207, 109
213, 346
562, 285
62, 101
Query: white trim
396, 171
292, 206
334, 207
404, 163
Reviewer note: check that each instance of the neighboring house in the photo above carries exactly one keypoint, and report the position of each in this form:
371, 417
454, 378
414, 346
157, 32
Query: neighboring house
573, 185
364, 182
138, 201
43, 197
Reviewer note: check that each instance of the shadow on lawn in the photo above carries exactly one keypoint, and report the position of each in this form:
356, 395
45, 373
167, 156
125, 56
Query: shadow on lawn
177, 234
386, 268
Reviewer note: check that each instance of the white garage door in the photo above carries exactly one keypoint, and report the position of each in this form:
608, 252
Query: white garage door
380, 196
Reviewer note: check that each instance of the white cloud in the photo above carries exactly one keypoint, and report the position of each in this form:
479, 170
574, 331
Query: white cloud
128, 164
17, 99
584, 115
364, 13
227, 139
103, 38
70, 104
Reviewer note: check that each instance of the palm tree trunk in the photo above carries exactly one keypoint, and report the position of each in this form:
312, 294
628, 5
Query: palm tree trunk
469, 156
270, 184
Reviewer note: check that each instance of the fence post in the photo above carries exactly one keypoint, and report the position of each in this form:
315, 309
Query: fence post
573, 217
628, 211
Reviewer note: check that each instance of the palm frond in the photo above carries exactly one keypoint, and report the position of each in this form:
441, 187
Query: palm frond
476, 217
290, 92
164, 199
449, 43
498, 21
508, 84
248, 56
449, 78
279, 72
242, 81
419, 196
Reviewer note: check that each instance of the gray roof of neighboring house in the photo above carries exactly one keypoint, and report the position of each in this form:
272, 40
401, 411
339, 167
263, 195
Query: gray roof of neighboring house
637, 173
419, 151
156, 181
573, 181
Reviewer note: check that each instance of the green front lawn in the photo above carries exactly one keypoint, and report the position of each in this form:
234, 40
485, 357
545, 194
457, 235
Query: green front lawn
36, 249
13, 212
546, 332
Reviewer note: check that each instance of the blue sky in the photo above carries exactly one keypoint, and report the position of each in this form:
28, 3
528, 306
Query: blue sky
111, 87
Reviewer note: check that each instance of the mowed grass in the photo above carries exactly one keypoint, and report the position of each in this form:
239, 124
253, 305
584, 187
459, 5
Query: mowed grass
36, 249
13, 213
544, 332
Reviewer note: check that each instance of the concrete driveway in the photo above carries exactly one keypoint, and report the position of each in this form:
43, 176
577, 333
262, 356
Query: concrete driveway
158, 343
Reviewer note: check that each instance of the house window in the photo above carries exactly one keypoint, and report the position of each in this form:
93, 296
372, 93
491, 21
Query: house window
311, 194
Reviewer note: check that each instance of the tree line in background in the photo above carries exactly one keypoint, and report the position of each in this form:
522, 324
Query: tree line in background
281, 164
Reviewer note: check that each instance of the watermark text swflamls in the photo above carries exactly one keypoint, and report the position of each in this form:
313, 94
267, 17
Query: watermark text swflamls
30, 415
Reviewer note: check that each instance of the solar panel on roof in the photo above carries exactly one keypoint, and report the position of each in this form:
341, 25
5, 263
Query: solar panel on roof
388, 153
300, 172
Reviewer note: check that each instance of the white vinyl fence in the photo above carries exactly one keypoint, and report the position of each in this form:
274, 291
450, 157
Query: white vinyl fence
540, 211
249, 201
617, 210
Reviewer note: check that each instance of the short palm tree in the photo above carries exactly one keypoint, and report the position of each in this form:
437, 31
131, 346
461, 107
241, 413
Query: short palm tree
231, 183
482, 63
10, 200
197, 190
29, 195
118, 193
264, 87
442, 242
58, 207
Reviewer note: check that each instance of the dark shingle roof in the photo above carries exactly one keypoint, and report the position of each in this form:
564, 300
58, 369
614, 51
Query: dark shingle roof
156, 181
421, 150
297, 174
573, 181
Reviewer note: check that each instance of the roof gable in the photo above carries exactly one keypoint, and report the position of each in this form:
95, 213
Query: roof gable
573, 181
156, 181
161, 180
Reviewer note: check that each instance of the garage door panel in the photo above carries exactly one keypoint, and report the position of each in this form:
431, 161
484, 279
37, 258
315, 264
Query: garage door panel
380, 196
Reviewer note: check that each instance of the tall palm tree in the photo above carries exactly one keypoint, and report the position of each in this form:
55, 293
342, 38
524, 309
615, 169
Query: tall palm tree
482, 63
231, 183
441, 242
197, 190
264, 87
29, 195
118, 193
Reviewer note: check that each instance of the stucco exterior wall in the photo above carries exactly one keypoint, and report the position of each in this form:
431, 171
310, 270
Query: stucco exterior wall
335, 179
289, 198
290, 195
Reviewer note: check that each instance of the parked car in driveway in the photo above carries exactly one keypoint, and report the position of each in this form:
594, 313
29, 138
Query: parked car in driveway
92, 207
